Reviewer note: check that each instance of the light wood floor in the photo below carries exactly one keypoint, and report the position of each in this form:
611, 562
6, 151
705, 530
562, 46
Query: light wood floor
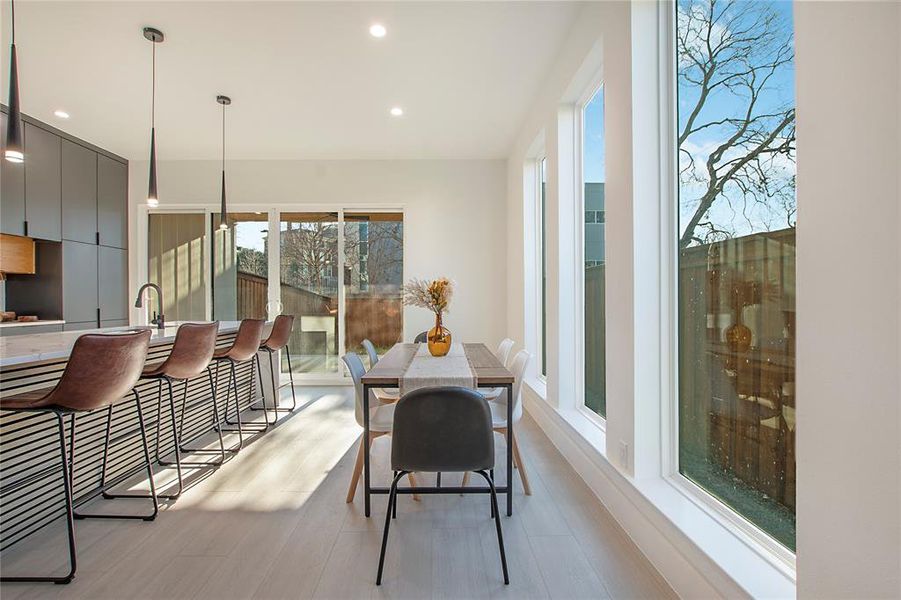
272, 523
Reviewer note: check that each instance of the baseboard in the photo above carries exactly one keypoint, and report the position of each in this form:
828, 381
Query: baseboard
684, 566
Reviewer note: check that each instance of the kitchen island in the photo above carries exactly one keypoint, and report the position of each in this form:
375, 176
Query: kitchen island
30, 487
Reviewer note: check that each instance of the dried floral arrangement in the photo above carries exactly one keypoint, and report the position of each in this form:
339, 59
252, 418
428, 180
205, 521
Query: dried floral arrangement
434, 295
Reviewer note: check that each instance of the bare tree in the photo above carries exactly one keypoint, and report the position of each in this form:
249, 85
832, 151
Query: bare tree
730, 52
309, 254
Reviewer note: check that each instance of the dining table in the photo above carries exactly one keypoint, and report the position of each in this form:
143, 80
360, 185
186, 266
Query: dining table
395, 368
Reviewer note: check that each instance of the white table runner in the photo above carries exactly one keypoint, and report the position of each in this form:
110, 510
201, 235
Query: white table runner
426, 370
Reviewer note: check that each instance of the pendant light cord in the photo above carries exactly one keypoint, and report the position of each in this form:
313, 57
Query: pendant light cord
12, 6
223, 137
153, 85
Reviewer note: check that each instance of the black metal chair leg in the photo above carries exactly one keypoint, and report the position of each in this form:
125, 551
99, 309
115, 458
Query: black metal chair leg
159, 416
291, 378
259, 369
497, 521
149, 467
392, 501
70, 523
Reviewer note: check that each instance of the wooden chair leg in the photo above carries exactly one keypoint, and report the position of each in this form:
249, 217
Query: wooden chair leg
358, 468
412, 479
517, 459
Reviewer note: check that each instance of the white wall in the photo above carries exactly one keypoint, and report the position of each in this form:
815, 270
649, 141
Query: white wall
849, 308
454, 221
849, 305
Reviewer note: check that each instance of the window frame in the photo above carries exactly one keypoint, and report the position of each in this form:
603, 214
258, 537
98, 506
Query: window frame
539, 167
595, 86
752, 535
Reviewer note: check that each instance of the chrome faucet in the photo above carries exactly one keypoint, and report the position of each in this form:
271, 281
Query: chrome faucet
158, 319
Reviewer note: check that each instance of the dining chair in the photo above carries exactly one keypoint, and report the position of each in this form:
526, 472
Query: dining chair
499, 416
442, 429
385, 396
422, 338
503, 350
381, 421
101, 370
503, 355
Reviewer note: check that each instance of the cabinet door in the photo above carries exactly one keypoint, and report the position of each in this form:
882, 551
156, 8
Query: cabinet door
80, 326
80, 282
42, 183
79, 193
12, 191
113, 277
112, 202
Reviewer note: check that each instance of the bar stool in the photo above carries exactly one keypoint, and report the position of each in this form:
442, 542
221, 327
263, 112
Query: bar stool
102, 368
190, 356
243, 349
278, 339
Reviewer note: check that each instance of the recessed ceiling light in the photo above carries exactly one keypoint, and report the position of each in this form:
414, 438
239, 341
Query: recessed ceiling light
397, 111
61, 114
377, 30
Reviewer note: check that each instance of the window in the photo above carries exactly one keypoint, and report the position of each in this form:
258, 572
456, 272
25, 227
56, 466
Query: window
177, 261
736, 257
241, 267
593, 253
542, 250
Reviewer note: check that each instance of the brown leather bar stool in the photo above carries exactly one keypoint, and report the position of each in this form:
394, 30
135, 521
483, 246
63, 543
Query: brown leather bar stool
102, 368
243, 349
278, 339
191, 355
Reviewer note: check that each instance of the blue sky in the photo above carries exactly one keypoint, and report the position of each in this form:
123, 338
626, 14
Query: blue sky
729, 211
593, 139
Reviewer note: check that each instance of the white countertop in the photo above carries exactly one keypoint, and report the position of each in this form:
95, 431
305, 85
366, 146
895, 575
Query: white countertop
27, 323
38, 347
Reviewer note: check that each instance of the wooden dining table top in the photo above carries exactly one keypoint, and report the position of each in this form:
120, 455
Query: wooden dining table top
391, 367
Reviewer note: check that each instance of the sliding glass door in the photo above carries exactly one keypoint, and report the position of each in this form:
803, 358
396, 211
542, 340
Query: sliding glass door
308, 289
241, 267
340, 273
373, 279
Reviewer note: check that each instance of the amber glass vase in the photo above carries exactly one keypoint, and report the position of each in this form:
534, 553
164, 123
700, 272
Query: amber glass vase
439, 338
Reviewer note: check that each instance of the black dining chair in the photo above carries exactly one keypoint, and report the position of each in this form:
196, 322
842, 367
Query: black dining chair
422, 338
442, 429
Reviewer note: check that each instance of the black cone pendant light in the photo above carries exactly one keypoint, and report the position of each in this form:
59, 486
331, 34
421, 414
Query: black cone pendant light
14, 150
223, 212
155, 36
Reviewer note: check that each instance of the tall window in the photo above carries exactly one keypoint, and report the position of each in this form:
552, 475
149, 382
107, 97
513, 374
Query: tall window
594, 261
736, 256
542, 249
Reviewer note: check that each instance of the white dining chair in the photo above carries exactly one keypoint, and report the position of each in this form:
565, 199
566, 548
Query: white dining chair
499, 416
381, 421
384, 396
503, 355
503, 350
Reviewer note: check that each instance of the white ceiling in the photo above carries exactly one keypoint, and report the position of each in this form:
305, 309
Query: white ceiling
306, 79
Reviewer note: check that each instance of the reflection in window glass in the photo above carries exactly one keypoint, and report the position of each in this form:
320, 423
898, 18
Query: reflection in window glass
373, 280
542, 212
736, 251
309, 289
593, 234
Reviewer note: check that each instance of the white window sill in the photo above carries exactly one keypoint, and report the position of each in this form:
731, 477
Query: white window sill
670, 528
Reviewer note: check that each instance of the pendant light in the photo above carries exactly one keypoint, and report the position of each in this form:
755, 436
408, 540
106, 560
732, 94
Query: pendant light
14, 151
155, 36
223, 213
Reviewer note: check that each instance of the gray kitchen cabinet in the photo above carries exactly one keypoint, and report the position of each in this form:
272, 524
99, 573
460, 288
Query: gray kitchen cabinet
10, 330
112, 202
114, 323
80, 300
113, 283
12, 191
79, 193
80, 326
42, 183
